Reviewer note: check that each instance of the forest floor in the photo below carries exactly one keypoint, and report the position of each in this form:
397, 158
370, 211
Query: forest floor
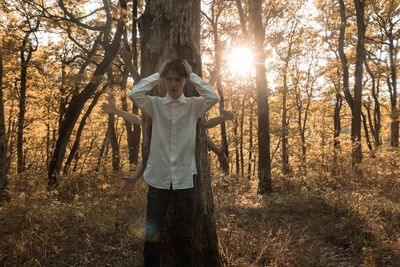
320, 220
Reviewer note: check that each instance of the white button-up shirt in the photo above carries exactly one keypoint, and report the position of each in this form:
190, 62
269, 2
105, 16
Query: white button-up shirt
172, 150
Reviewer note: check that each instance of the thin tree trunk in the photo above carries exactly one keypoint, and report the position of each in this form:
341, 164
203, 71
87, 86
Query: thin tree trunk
354, 102
358, 76
101, 152
136, 128
48, 144
394, 124
250, 139
365, 126
241, 138
224, 140
237, 156
286, 57
82, 124
264, 156
284, 124
3, 136
337, 128
375, 123
112, 138
22, 103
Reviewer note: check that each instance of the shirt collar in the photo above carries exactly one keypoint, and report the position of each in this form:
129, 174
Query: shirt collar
181, 99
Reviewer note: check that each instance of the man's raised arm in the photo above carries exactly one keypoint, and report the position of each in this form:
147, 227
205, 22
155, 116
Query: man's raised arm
139, 90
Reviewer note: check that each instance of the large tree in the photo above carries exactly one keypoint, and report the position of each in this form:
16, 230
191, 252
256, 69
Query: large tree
110, 38
353, 100
386, 17
264, 156
171, 29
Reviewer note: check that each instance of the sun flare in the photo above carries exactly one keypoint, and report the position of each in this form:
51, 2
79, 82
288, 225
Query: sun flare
240, 60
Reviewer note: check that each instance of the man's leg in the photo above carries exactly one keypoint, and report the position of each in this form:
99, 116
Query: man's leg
184, 218
157, 204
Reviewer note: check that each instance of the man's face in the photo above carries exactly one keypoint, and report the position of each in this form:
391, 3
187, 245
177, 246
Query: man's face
174, 83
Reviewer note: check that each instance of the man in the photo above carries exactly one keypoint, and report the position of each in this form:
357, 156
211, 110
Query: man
171, 164
111, 108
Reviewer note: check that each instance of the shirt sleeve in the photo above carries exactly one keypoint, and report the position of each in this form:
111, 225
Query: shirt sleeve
138, 93
207, 98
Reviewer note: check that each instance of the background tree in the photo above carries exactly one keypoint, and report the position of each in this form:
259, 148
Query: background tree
3, 139
354, 101
111, 47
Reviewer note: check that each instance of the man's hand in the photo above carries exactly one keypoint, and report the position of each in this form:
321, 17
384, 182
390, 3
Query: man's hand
228, 115
187, 66
109, 107
223, 160
126, 56
130, 180
161, 69
128, 185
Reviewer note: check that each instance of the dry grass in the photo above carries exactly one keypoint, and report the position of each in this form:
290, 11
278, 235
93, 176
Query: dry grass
319, 220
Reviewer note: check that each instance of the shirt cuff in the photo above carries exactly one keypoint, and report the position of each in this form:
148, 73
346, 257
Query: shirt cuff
154, 77
195, 78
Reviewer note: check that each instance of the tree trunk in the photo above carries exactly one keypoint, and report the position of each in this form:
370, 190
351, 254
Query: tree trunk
135, 110
217, 46
3, 137
394, 124
132, 131
250, 140
101, 152
112, 138
82, 124
237, 156
22, 103
284, 124
337, 128
76, 105
264, 157
241, 138
358, 76
365, 126
354, 102
375, 122
171, 29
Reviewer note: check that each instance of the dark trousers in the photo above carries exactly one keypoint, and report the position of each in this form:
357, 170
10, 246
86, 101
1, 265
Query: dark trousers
157, 204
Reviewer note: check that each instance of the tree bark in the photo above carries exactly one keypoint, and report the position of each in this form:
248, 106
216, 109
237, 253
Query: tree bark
25, 59
3, 137
353, 101
358, 76
337, 127
250, 140
365, 126
112, 138
264, 156
394, 124
135, 110
101, 152
241, 138
236, 136
82, 124
375, 122
171, 29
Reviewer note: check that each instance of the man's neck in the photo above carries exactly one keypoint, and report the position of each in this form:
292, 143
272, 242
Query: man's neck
175, 96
